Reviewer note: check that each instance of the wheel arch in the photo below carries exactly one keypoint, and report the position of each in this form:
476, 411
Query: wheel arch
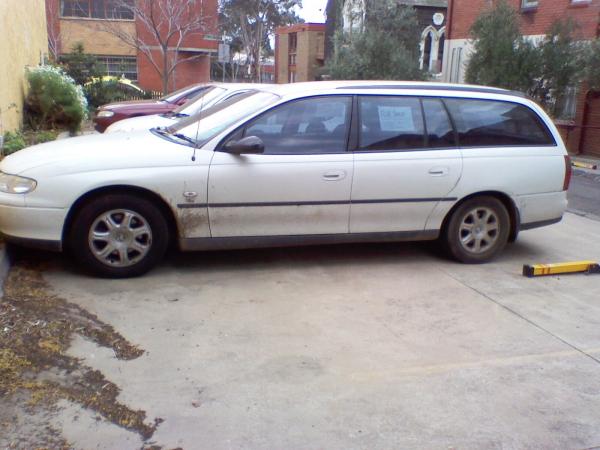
507, 201
121, 189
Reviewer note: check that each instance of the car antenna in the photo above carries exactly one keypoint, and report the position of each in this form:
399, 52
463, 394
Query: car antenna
198, 127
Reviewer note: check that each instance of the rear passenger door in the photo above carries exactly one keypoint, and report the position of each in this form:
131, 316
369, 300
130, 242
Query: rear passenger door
405, 163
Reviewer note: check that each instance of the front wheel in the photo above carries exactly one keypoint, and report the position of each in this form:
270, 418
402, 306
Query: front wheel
478, 230
119, 236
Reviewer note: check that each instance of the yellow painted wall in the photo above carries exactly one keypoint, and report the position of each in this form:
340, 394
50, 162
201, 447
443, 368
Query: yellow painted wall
95, 41
23, 42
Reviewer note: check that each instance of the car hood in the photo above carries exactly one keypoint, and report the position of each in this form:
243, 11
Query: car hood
140, 123
140, 106
96, 152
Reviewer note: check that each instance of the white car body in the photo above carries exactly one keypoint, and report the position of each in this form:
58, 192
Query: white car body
219, 93
224, 200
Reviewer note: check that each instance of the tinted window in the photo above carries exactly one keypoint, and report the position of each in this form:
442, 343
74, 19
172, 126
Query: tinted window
314, 125
390, 123
440, 132
492, 123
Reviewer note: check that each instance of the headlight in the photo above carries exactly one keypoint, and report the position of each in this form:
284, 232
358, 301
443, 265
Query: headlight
13, 184
105, 113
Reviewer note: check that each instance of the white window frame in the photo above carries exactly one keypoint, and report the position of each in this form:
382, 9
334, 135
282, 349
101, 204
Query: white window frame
528, 4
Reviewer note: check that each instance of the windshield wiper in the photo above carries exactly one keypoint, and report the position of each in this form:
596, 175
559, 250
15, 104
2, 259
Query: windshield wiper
185, 138
173, 114
163, 131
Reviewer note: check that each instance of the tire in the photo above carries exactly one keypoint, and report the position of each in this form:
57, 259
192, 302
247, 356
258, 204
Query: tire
477, 231
118, 236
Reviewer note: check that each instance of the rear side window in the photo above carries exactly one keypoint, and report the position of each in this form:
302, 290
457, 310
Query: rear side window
390, 123
440, 133
483, 123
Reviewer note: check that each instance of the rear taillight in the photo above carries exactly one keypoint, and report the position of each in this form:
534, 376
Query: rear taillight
568, 172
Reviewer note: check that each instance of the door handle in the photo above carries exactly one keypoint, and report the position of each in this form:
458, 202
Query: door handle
438, 171
334, 175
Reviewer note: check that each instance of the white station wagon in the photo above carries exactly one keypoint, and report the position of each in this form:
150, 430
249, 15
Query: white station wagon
305, 163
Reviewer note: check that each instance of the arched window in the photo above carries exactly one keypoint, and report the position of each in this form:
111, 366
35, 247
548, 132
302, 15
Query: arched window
440, 52
429, 40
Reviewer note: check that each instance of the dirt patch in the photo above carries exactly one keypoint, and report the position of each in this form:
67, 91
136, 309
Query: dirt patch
36, 329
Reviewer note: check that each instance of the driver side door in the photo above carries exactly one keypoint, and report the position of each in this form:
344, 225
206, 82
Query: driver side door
300, 185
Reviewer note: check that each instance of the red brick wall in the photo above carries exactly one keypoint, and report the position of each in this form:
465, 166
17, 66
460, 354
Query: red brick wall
589, 133
53, 23
462, 14
186, 73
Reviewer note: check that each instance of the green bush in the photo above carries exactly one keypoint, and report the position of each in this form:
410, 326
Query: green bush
18, 140
54, 100
13, 142
101, 92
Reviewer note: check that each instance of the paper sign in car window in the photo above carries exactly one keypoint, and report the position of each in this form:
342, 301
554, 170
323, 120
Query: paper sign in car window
396, 118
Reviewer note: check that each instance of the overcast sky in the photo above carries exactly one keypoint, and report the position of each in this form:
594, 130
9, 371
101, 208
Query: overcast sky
313, 10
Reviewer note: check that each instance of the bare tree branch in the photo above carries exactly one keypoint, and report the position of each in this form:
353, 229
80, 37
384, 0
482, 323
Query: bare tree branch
164, 29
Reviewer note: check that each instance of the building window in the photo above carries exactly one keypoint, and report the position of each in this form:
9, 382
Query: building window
566, 105
292, 60
431, 52
292, 76
293, 42
119, 66
97, 9
529, 4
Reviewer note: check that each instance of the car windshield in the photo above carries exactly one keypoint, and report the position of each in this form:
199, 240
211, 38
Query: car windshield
202, 101
174, 96
204, 125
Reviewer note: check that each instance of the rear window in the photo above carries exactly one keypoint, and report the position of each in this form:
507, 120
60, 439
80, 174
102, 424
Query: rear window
483, 123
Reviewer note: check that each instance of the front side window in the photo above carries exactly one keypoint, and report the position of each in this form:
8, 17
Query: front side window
390, 123
482, 123
313, 125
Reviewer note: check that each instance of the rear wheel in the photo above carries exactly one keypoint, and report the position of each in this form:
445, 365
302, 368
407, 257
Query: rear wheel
478, 230
119, 236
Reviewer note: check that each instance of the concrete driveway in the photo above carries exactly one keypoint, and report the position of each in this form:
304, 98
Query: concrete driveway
360, 346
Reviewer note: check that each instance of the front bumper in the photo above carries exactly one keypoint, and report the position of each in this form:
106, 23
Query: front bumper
33, 227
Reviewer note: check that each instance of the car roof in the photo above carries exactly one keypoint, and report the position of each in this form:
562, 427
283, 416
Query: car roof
315, 86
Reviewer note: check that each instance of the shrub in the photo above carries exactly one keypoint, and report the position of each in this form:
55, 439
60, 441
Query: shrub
101, 92
18, 140
54, 100
13, 142
79, 65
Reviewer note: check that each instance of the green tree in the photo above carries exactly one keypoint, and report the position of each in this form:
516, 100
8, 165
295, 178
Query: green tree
252, 22
592, 65
561, 57
79, 65
387, 47
501, 57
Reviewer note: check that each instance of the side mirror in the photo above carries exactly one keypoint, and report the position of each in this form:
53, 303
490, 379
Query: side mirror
249, 144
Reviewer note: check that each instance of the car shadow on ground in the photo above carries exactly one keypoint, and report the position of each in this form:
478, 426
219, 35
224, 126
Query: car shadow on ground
297, 257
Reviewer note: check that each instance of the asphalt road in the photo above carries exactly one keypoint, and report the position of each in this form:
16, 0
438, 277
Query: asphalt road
584, 193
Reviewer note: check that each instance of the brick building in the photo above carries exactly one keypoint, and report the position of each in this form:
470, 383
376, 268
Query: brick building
299, 52
581, 131
85, 21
